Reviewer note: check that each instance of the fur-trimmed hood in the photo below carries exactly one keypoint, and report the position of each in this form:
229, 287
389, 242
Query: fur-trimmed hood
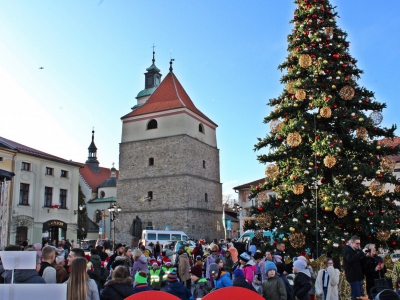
127, 280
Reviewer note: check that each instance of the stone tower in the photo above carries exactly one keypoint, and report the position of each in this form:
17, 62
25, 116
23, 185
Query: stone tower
169, 164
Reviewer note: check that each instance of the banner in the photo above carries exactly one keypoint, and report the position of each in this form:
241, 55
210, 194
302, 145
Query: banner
228, 225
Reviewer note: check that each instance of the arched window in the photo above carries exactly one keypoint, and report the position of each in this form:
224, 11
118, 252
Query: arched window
102, 194
201, 128
152, 124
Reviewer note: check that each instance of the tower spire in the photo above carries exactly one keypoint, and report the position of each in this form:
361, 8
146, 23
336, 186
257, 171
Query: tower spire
170, 64
92, 161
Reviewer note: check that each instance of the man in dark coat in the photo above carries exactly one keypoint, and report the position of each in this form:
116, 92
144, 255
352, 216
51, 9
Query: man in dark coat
373, 267
352, 263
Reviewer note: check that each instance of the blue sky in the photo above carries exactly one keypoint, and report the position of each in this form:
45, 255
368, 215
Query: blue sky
94, 54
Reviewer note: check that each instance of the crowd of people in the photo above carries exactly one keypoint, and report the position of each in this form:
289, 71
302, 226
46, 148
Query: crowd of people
192, 273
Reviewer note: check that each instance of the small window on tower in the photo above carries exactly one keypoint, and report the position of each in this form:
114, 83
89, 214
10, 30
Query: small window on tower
150, 195
152, 124
151, 161
206, 197
201, 128
204, 164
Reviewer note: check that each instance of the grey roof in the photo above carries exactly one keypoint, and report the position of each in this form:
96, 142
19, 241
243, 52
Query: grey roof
102, 200
110, 182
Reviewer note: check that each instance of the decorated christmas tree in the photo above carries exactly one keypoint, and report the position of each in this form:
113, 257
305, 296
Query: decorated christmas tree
329, 162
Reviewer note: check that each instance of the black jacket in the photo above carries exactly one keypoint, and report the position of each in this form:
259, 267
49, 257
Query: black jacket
240, 281
352, 263
369, 266
27, 276
117, 289
301, 286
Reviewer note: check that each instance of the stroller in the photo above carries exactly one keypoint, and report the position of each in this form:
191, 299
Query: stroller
383, 290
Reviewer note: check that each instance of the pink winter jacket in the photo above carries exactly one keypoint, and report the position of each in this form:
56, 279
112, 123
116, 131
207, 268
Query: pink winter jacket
249, 272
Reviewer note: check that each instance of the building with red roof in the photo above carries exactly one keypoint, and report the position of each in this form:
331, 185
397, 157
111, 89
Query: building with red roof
169, 163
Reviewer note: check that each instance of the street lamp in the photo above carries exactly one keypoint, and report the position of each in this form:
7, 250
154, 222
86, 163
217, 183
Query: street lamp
114, 212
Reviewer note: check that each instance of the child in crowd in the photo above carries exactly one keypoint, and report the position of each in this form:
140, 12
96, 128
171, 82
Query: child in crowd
177, 288
155, 276
202, 286
302, 281
273, 287
140, 284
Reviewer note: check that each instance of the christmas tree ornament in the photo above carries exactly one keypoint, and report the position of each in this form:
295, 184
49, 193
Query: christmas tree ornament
292, 229
259, 234
377, 188
297, 240
361, 132
356, 220
329, 161
301, 94
397, 189
274, 125
347, 92
325, 112
290, 87
294, 139
388, 164
260, 208
376, 117
298, 189
329, 31
341, 212
305, 60
271, 171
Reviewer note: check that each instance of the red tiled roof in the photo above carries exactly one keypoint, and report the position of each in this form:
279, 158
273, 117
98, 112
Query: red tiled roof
247, 185
34, 152
395, 142
169, 95
94, 179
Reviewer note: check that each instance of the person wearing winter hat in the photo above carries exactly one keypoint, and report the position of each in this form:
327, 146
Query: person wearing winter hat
302, 281
155, 274
177, 288
273, 287
248, 266
167, 268
221, 278
240, 281
140, 284
202, 286
119, 250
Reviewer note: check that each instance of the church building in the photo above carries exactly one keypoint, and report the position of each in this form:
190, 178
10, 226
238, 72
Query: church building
169, 163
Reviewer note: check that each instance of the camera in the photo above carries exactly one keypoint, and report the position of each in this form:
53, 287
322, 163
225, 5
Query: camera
368, 251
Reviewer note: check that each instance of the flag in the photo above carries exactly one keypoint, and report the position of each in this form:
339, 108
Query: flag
144, 198
223, 219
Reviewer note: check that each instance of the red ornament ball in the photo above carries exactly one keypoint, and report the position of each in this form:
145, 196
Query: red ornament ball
260, 208
277, 203
396, 220
380, 176
369, 236
382, 212
306, 215
257, 188
340, 225
335, 56
371, 213
394, 243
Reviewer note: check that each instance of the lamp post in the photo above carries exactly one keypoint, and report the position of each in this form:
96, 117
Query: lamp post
114, 213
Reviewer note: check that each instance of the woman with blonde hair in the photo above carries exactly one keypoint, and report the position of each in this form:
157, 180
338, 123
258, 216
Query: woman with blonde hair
80, 286
211, 259
140, 262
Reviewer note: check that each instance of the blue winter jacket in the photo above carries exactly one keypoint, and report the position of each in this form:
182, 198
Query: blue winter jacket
179, 290
224, 280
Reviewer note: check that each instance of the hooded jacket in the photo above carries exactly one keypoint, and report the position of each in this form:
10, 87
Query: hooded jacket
117, 289
223, 280
302, 285
201, 288
240, 281
274, 288
140, 264
27, 276
179, 290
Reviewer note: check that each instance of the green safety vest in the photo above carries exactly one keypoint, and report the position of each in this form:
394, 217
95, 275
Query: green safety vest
166, 272
154, 275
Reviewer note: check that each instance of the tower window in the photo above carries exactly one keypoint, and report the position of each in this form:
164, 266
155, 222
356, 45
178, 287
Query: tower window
150, 195
204, 164
152, 124
102, 194
201, 128
151, 161
206, 197
1, 158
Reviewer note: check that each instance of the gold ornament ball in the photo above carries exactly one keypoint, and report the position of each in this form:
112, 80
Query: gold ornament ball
311, 164
333, 87
315, 79
328, 242
280, 197
326, 198
305, 122
295, 105
285, 239
292, 229
339, 150
378, 147
356, 220
361, 119
366, 192
328, 208
339, 72
319, 117
355, 168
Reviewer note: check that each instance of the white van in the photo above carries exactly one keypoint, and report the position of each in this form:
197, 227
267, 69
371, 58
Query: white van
163, 236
